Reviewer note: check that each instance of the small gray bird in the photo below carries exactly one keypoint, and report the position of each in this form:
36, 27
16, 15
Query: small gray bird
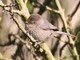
41, 29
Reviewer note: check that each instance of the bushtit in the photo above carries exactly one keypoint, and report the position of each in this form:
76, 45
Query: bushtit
40, 28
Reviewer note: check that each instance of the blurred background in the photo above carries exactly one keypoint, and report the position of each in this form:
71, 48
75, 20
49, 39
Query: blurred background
12, 48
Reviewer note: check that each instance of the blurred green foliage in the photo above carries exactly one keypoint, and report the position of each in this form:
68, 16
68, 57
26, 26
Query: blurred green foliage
29, 6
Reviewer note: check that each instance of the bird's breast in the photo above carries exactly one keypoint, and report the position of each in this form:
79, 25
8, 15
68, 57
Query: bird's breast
38, 33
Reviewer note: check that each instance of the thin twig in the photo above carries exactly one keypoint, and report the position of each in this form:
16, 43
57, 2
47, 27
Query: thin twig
76, 8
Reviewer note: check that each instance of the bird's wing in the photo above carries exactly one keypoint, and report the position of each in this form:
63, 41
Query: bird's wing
47, 25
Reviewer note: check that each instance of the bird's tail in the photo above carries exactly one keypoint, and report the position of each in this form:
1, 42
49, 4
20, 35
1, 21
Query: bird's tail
64, 33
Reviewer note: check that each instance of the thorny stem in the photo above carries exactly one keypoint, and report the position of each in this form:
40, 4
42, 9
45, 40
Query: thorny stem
61, 12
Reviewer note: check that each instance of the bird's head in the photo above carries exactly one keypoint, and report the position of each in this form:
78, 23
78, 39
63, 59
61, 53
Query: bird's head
35, 19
